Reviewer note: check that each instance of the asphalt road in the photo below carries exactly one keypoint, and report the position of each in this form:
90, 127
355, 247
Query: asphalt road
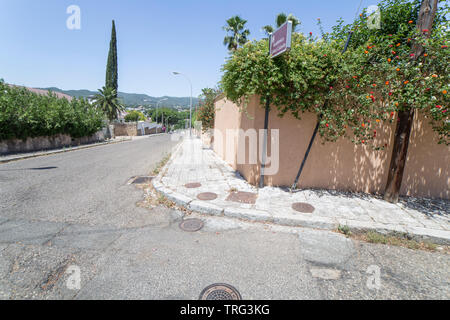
76, 211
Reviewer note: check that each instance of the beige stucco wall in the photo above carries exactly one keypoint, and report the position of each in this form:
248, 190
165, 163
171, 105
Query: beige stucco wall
341, 165
126, 129
33, 144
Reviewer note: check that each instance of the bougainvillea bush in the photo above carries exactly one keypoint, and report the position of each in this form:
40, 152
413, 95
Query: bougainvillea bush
26, 114
206, 111
355, 91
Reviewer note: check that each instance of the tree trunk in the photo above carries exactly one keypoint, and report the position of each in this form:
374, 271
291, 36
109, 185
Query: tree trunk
406, 117
399, 154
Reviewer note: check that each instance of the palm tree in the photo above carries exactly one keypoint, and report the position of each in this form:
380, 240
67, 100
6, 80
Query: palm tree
280, 20
238, 37
107, 101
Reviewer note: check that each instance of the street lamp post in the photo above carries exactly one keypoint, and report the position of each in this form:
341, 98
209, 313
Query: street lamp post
190, 107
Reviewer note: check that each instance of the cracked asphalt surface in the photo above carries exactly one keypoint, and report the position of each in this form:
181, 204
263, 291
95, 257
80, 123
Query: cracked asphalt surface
77, 209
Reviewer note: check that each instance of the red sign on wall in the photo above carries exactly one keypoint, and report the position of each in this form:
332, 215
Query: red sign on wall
280, 40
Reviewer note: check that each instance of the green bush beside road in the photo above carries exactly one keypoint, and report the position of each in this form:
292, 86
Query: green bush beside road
26, 114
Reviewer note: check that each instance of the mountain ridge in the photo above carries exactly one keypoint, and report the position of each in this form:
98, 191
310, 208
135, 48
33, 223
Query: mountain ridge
132, 99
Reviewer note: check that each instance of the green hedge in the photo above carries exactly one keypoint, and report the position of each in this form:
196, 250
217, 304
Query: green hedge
26, 114
356, 92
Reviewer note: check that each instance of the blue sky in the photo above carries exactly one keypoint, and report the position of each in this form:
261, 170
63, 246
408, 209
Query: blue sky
155, 37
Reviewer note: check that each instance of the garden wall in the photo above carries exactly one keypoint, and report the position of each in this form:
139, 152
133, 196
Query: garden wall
341, 165
47, 143
126, 129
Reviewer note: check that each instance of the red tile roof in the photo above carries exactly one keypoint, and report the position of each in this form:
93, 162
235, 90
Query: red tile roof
45, 92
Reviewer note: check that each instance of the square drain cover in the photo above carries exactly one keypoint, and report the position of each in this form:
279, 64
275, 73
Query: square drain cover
142, 180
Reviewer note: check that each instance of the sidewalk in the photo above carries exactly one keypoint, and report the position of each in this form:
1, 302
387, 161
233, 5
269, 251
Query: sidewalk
195, 173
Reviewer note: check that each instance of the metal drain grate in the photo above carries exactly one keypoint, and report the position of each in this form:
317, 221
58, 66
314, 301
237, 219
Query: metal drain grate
242, 197
142, 180
191, 225
207, 196
220, 291
193, 185
303, 207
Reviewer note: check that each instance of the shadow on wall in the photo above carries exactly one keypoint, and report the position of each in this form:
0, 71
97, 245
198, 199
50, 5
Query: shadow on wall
341, 165
427, 164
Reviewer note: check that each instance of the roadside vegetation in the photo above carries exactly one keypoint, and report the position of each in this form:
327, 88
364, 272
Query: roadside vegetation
355, 92
398, 239
26, 114
172, 117
206, 111
160, 165
134, 116
106, 101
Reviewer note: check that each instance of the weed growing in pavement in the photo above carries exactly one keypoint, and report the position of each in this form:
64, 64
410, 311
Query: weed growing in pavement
160, 165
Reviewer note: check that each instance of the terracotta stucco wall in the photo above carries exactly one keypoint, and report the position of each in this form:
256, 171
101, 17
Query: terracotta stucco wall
341, 165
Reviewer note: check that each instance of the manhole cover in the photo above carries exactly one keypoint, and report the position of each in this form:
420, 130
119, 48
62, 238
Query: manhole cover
220, 291
303, 207
191, 225
142, 180
242, 197
206, 196
193, 185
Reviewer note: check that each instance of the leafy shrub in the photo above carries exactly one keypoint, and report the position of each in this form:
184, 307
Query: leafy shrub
206, 111
134, 116
355, 91
26, 114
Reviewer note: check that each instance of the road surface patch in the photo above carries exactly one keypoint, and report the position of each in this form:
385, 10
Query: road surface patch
326, 274
142, 180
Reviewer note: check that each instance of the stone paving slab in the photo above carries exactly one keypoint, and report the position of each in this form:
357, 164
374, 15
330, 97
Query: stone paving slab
191, 163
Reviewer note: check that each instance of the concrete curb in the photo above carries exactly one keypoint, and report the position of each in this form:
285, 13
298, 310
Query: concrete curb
58, 151
433, 235
299, 220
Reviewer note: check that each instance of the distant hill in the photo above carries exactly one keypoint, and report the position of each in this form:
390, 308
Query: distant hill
133, 99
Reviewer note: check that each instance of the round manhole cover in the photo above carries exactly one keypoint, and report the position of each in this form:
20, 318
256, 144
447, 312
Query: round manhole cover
303, 207
206, 196
220, 291
191, 225
193, 185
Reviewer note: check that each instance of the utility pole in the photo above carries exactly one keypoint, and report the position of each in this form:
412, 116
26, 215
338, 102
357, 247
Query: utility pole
405, 118
190, 106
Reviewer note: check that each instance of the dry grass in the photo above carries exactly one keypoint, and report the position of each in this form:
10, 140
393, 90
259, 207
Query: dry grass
160, 165
400, 240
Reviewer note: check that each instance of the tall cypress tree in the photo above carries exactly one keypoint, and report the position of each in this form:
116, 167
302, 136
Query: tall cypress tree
111, 67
